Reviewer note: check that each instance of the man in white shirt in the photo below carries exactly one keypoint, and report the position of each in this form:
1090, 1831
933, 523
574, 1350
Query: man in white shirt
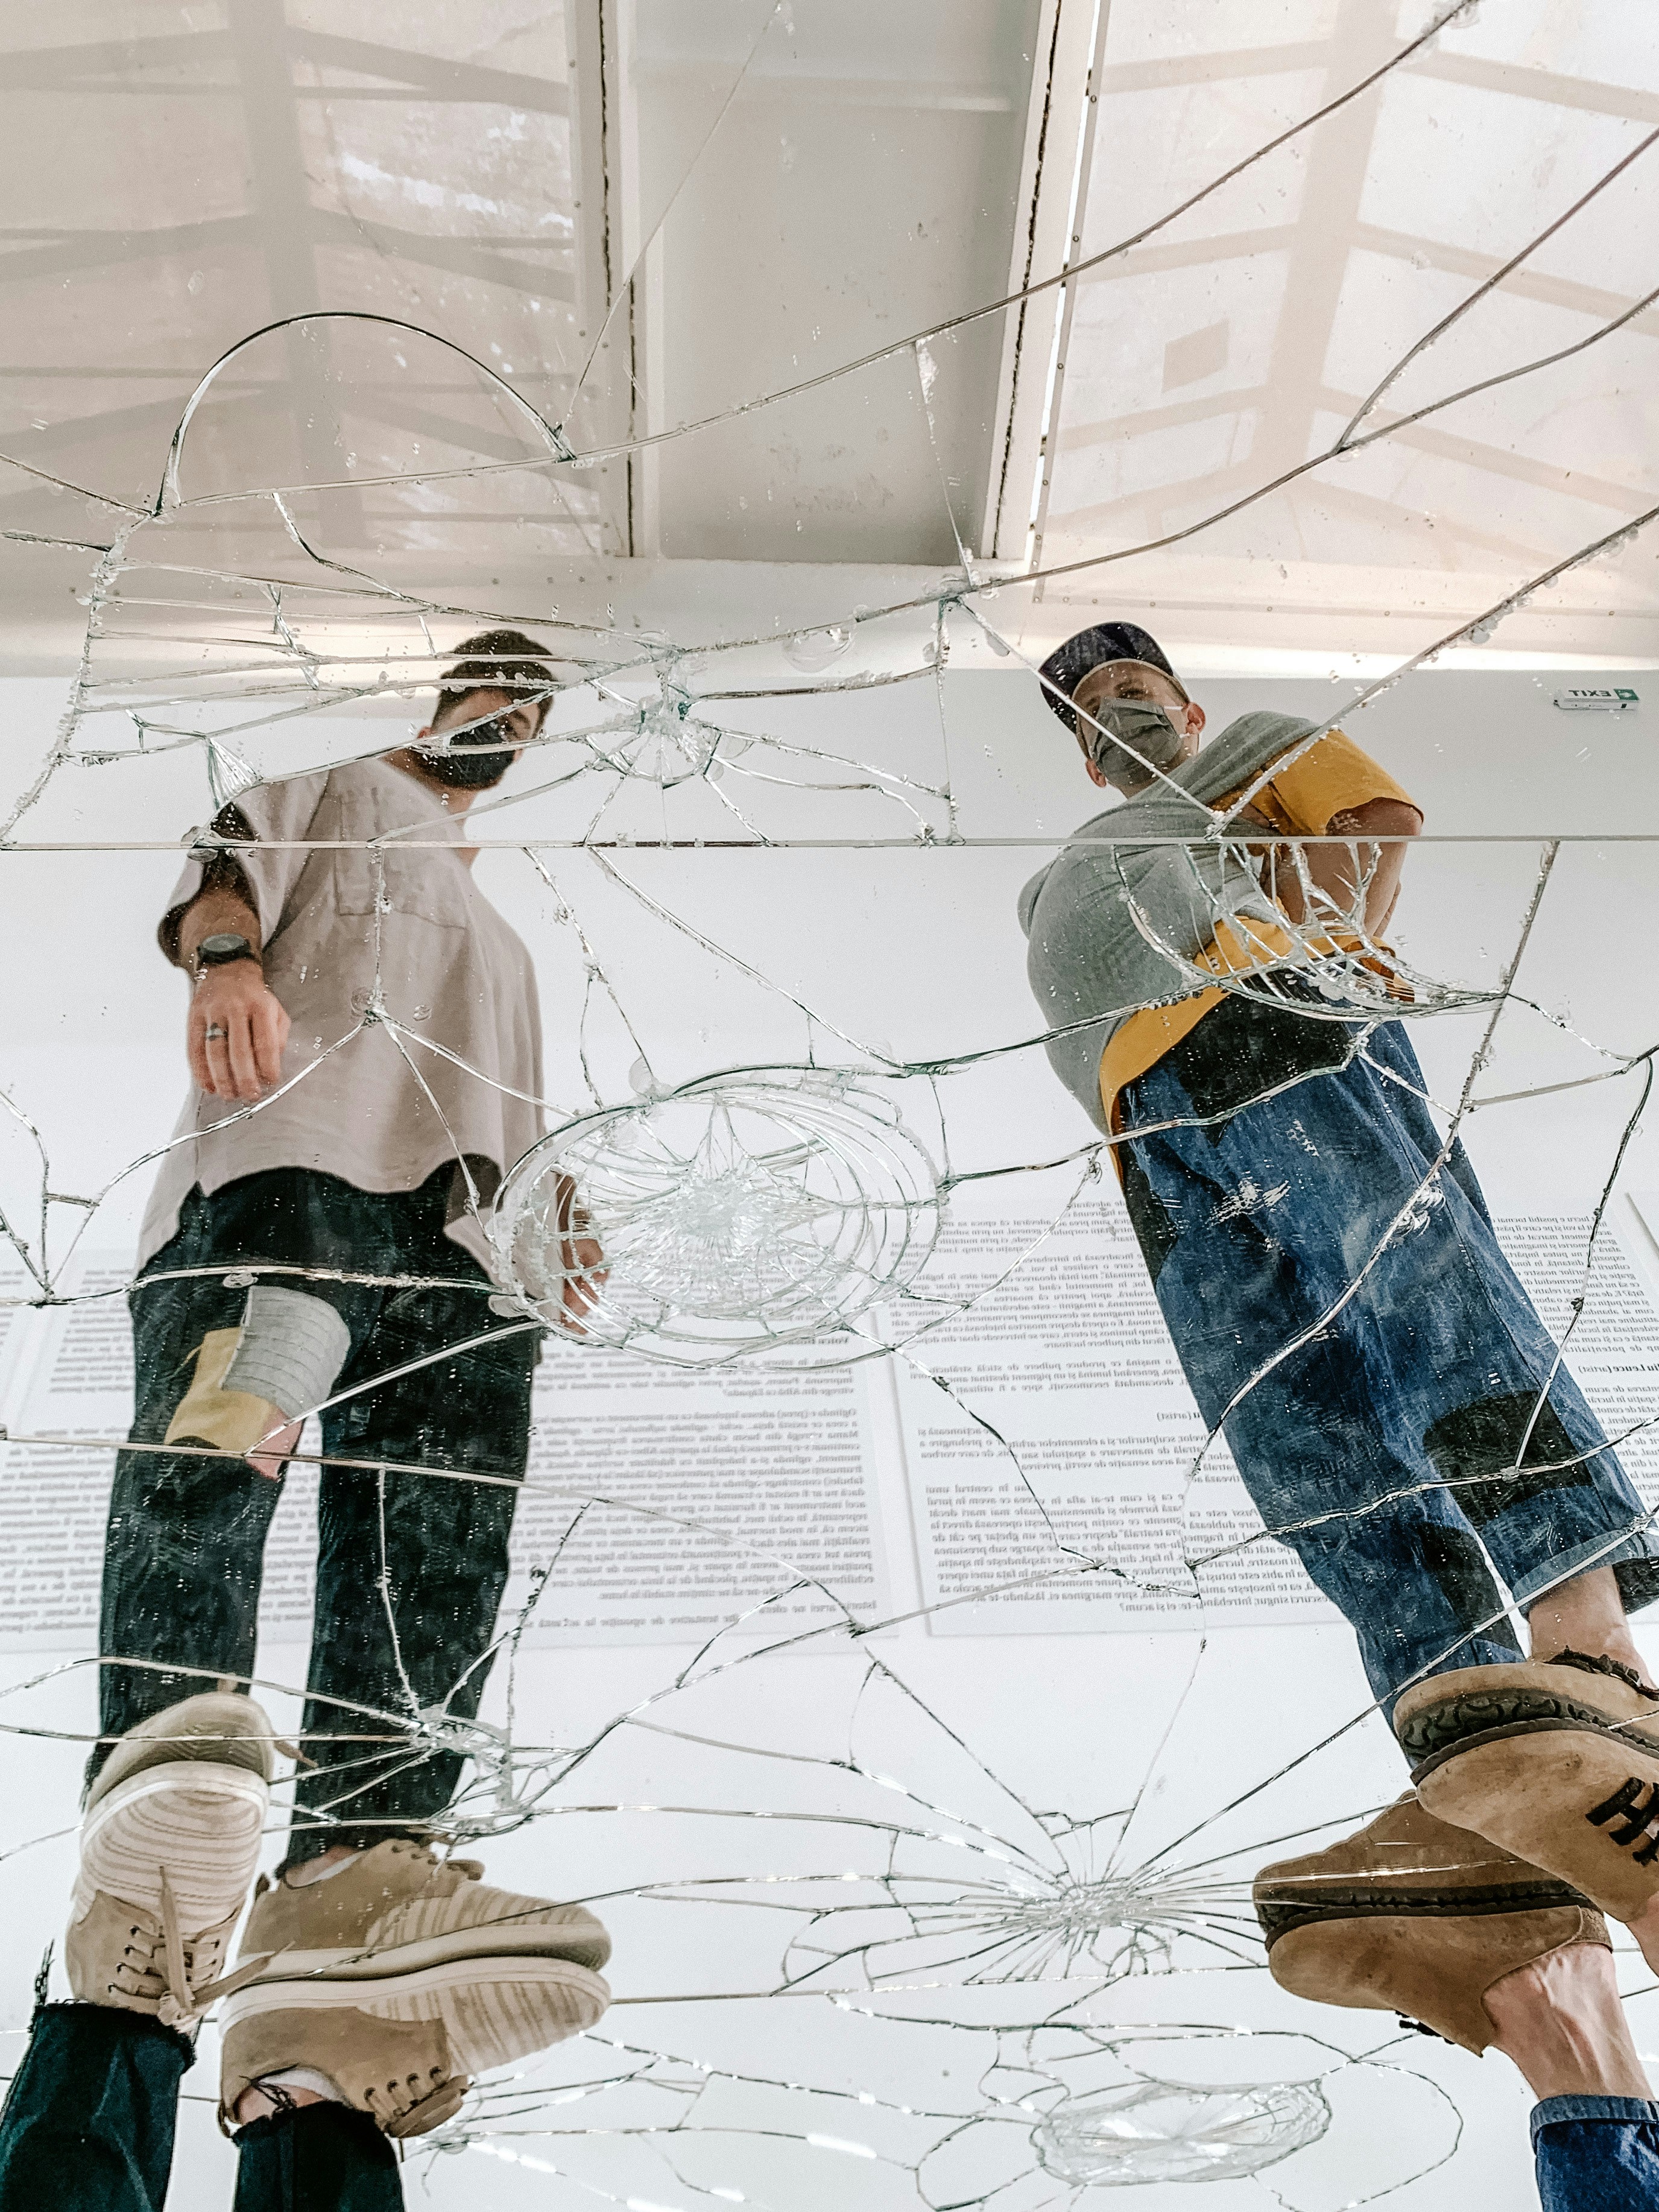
364, 1044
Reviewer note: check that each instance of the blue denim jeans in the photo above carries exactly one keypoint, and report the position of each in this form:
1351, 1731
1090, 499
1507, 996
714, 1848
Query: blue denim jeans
425, 1557
89, 2127
1596, 2153
1421, 1434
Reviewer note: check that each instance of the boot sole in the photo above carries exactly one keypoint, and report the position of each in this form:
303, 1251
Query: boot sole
491, 2018
1437, 1732
456, 1947
1554, 1782
1285, 1915
200, 1820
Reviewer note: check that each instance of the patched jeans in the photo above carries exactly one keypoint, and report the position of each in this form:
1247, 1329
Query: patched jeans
411, 1567
1384, 1396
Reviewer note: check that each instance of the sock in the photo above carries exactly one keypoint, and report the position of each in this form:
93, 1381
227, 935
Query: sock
300, 2077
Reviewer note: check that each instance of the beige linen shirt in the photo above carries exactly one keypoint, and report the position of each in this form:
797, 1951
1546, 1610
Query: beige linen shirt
450, 972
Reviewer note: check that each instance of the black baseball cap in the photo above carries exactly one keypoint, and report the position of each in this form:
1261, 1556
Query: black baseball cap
1068, 664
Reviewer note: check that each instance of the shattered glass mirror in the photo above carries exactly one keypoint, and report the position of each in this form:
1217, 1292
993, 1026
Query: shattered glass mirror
881, 782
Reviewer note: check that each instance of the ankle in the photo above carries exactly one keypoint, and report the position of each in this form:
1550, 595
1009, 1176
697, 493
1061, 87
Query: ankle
1585, 1614
316, 1869
1645, 1929
1561, 2021
263, 2103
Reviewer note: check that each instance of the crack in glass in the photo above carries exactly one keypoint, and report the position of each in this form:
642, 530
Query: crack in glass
781, 1218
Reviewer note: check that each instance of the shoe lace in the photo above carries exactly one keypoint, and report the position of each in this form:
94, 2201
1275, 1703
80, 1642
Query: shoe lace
444, 1876
471, 1869
184, 1998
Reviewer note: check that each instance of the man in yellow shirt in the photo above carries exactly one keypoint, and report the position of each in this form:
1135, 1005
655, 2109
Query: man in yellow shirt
1225, 1009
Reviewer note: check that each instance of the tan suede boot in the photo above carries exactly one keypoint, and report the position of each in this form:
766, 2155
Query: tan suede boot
402, 1975
168, 1846
1555, 1760
1414, 1916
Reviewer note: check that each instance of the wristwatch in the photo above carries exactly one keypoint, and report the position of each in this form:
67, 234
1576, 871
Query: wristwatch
222, 947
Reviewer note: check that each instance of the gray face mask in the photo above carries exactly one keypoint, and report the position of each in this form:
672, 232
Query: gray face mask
1152, 737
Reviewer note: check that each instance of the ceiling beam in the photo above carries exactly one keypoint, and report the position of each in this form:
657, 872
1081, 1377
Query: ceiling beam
281, 194
1053, 179
483, 258
436, 77
1519, 81
1336, 164
133, 67
601, 406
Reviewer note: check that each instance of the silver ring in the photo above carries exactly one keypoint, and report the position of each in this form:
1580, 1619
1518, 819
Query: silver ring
209, 1035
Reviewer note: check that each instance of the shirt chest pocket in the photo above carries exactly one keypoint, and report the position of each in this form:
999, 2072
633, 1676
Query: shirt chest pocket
405, 876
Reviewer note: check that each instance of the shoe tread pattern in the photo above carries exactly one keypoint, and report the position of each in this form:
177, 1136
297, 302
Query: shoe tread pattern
1437, 1731
1279, 1914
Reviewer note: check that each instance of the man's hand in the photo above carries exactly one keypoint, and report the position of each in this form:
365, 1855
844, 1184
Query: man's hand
270, 1457
235, 1032
580, 1256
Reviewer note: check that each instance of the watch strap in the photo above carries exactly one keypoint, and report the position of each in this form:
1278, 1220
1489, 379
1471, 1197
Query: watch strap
223, 946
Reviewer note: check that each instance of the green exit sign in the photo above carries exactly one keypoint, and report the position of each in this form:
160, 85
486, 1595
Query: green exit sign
1609, 701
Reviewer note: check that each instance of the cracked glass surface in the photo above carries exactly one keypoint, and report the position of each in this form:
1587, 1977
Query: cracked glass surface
891, 1657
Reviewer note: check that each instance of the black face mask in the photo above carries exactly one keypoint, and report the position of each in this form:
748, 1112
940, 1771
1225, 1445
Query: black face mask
473, 769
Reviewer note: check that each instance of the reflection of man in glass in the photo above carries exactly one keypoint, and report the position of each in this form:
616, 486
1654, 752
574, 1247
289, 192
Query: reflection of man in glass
315, 1241
1344, 1313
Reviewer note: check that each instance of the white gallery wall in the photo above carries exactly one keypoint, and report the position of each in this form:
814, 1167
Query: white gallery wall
1079, 1698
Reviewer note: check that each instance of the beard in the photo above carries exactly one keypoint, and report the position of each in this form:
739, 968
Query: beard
474, 769
467, 771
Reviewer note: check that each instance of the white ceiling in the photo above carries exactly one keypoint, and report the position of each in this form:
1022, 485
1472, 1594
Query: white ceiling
634, 218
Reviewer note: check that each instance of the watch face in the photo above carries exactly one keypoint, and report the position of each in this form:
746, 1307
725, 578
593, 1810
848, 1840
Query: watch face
223, 946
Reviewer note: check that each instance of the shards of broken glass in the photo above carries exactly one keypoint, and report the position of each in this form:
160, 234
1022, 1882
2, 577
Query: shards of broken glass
813, 649
886, 1854
1178, 2132
1078, 1906
883, 2108
1081, 2107
734, 1214
659, 739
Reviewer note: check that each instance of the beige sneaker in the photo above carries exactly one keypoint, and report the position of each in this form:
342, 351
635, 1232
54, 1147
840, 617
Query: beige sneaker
401, 1976
169, 1846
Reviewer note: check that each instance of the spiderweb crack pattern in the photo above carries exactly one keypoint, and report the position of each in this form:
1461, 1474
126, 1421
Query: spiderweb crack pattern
869, 1896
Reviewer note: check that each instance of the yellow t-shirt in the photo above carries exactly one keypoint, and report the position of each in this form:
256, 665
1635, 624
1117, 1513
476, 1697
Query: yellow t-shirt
1331, 777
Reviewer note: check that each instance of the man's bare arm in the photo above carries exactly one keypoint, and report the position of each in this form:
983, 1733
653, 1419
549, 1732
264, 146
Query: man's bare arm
236, 1027
1382, 828
223, 905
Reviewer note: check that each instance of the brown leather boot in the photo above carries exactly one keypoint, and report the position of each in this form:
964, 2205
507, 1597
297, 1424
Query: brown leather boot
1414, 1917
1557, 1760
